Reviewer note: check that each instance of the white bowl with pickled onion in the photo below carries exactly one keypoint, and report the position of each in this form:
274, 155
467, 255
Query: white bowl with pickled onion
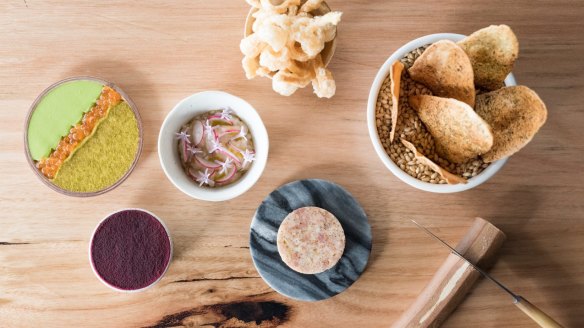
172, 161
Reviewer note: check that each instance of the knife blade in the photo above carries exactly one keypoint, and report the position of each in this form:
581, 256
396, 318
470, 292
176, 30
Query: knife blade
531, 310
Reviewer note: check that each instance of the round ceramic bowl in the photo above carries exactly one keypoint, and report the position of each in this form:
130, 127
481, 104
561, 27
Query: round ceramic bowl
197, 104
91, 258
329, 47
485, 175
48, 182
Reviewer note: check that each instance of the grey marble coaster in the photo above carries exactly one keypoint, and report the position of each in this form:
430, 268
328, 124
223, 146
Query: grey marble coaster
264, 231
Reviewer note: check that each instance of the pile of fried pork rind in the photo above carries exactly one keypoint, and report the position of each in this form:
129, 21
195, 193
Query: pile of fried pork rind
286, 44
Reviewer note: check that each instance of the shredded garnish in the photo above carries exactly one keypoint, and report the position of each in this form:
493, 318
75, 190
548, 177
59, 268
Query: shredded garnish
248, 157
215, 146
208, 127
226, 113
242, 133
225, 165
204, 178
183, 136
194, 150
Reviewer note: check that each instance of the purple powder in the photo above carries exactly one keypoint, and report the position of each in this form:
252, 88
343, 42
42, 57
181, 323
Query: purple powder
130, 250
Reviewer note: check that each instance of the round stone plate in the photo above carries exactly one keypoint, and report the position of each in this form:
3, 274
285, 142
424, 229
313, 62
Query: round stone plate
264, 230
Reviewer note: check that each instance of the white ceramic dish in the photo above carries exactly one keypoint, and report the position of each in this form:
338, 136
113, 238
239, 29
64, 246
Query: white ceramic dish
192, 106
114, 287
381, 74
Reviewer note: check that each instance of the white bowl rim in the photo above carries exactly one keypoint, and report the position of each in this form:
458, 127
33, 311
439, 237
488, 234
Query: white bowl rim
493, 168
259, 134
91, 243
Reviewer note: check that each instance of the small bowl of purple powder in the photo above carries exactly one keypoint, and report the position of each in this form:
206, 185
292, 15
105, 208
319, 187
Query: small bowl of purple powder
130, 250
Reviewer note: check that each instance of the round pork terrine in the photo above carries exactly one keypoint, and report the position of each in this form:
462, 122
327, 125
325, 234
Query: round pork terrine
310, 240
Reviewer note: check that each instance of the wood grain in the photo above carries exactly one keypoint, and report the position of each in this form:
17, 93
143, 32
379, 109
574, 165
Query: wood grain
454, 278
161, 52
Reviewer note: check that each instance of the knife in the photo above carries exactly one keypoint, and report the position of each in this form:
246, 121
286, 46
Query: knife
531, 310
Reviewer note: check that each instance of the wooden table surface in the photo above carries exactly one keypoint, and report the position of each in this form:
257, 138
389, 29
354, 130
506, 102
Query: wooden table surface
161, 52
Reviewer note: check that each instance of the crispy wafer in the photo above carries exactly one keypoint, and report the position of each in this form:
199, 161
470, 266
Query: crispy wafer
446, 70
459, 133
395, 75
449, 177
492, 52
515, 115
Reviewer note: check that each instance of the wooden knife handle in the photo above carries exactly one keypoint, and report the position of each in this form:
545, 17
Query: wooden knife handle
536, 314
454, 279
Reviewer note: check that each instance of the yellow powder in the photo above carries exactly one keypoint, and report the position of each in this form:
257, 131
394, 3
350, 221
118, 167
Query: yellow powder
105, 157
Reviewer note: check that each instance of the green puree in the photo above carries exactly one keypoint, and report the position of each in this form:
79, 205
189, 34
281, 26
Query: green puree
105, 157
59, 110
